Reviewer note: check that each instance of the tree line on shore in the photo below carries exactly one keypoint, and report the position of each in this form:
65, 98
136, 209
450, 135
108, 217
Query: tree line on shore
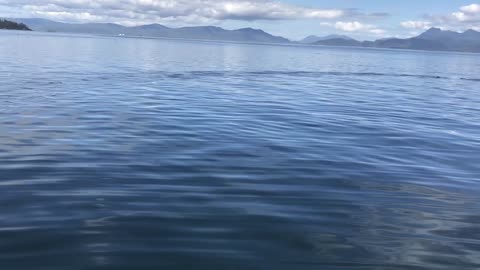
9, 25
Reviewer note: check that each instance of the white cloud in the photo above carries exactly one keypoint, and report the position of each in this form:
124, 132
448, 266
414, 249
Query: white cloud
473, 8
329, 24
356, 26
377, 31
416, 24
466, 17
137, 11
351, 26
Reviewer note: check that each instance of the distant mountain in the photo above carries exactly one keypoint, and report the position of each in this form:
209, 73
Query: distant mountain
339, 42
471, 34
410, 43
433, 39
156, 30
314, 39
9, 25
437, 34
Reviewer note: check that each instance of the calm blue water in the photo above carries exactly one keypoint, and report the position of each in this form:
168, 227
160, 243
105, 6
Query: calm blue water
159, 154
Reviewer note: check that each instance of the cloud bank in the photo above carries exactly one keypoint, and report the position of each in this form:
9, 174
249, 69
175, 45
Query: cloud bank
355, 27
188, 11
466, 17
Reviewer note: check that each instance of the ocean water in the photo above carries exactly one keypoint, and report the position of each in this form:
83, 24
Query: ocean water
120, 153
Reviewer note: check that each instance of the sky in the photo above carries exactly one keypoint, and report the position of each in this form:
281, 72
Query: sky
294, 19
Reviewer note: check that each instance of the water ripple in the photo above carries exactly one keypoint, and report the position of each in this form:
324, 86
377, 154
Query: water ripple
151, 154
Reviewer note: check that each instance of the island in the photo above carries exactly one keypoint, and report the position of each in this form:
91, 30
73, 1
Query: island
9, 25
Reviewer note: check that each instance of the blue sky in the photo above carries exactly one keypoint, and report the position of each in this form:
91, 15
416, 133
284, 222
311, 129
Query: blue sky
294, 19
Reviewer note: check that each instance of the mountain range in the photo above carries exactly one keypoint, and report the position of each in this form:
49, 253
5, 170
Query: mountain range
313, 39
433, 39
155, 30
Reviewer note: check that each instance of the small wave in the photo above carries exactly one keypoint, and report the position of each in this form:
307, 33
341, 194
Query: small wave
470, 79
196, 74
192, 75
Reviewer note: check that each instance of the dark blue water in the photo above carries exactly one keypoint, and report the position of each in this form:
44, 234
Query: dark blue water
159, 154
